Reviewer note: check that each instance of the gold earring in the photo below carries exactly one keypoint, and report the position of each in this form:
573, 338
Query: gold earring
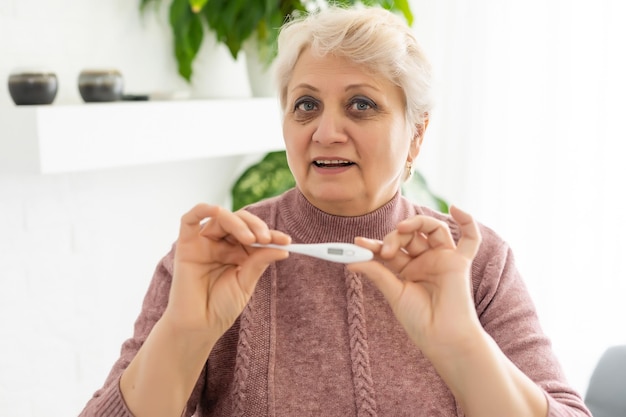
408, 170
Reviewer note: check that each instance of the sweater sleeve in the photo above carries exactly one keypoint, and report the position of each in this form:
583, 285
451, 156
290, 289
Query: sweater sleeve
508, 314
108, 400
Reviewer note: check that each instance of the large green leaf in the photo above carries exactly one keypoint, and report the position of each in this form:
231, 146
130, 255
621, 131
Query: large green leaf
266, 178
402, 6
234, 21
188, 34
196, 5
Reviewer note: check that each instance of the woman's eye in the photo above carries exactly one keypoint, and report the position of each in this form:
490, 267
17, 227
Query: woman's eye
362, 104
306, 105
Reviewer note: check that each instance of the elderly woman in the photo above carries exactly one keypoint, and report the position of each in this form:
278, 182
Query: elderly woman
438, 323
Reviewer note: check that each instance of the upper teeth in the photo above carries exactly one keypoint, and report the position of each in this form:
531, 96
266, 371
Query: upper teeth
334, 162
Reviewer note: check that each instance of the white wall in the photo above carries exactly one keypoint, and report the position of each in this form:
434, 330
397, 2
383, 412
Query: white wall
528, 135
65, 37
77, 250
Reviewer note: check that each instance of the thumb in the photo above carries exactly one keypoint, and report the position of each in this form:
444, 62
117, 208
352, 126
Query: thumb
252, 269
471, 238
387, 283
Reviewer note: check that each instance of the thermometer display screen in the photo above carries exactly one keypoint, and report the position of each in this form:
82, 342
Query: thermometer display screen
335, 251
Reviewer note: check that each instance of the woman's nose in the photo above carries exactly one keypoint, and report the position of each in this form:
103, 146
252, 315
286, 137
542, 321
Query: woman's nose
330, 128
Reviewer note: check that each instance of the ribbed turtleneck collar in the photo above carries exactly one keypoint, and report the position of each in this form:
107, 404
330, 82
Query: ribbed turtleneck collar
308, 224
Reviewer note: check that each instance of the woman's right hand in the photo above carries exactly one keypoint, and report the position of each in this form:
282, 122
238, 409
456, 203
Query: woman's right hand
215, 269
215, 272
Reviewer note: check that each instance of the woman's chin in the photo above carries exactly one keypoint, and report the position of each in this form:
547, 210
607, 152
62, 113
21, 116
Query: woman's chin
338, 203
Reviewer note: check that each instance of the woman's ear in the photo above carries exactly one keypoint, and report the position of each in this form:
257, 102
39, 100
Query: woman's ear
420, 128
418, 137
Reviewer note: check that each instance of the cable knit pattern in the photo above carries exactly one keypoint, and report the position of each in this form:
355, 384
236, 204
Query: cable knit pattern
316, 340
242, 363
361, 372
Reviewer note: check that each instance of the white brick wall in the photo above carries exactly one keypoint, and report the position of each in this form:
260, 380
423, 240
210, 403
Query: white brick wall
76, 254
77, 250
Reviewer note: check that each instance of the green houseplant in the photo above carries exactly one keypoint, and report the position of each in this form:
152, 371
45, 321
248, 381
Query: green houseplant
236, 21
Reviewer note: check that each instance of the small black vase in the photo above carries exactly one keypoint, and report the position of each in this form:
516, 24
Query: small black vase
28, 88
100, 85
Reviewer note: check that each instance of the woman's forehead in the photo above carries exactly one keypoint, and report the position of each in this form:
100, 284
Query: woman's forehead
337, 68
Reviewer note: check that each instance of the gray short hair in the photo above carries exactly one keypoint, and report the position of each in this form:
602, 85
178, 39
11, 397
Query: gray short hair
376, 38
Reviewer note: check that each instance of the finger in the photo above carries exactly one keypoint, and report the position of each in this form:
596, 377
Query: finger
417, 235
470, 234
257, 226
277, 237
260, 258
251, 270
437, 232
395, 243
261, 231
191, 221
394, 262
224, 224
413, 244
367, 243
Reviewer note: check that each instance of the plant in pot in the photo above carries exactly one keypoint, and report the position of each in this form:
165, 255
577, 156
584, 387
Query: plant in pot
241, 24
249, 25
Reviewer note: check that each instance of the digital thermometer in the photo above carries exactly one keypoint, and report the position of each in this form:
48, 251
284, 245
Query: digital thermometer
335, 252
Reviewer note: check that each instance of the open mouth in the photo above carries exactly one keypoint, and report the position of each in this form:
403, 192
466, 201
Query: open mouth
325, 163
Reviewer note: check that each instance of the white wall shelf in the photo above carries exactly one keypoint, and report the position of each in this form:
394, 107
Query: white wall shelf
71, 138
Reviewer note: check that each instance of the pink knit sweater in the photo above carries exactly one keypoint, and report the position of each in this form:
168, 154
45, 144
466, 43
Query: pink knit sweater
317, 340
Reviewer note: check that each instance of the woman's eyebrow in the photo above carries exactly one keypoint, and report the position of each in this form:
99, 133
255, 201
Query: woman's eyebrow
305, 86
348, 87
362, 85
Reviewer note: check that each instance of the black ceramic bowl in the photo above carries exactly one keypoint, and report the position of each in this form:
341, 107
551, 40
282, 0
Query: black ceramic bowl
33, 87
100, 85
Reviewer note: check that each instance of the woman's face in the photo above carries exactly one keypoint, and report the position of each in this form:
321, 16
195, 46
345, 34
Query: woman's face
346, 136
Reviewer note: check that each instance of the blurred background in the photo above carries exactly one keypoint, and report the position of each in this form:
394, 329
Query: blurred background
527, 135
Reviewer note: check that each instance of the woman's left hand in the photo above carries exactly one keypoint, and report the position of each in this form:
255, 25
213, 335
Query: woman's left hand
425, 277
